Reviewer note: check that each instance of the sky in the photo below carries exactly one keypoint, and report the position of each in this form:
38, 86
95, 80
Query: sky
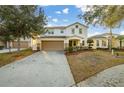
62, 15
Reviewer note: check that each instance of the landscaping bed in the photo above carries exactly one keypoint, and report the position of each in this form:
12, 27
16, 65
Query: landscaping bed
6, 58
87, 63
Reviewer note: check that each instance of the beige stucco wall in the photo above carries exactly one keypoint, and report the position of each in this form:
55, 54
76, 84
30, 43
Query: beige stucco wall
35, 41
115, 43
100, 43
123, 43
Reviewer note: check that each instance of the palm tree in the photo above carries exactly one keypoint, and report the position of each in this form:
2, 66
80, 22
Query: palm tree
109, 16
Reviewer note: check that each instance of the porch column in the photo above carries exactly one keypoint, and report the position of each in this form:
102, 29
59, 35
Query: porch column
122, 43
85, 42
81, 40
38, 43
7, 44
34, 44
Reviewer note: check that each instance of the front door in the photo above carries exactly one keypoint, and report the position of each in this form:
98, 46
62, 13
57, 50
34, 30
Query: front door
70, 44
73, 43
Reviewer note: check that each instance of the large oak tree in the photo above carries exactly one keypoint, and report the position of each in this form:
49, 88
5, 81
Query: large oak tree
23, 21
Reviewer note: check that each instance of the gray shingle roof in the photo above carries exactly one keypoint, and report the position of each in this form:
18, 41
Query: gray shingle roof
103, 35
63, 27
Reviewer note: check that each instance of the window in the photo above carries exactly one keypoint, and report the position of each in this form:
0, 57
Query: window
76, 26
97, 42
73, 31
74, 43
52, 32
103, 43
82, 43
80, 31
70, 43
48, 32
62, 31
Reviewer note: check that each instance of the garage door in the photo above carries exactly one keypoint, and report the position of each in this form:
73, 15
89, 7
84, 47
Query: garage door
23, 44
53, 45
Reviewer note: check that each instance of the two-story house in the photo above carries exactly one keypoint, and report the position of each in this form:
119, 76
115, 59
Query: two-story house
60, 37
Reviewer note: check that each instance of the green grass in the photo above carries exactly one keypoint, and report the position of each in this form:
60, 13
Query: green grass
6, 58
121, 53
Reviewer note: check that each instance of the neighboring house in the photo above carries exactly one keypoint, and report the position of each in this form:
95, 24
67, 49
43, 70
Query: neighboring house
1, 43
61, 37
102, 41
24, 43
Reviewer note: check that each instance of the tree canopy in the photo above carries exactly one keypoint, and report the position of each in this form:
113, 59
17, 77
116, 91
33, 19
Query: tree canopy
22, 21
110, 16
105, 15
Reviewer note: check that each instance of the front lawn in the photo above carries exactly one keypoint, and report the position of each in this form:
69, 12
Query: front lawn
88, 63
6, 58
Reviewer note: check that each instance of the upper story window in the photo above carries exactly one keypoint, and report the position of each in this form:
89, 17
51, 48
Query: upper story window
73, 31
82, 43
97, 42
80, 31
62, 31
50, 32
76, 26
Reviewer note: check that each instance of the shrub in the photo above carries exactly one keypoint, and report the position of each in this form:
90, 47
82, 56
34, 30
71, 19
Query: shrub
90, 43
69, 49
76, 48
1, 47
102, 49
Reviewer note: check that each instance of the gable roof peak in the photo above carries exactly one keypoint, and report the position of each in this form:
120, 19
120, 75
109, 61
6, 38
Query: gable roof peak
62, 27
77, 23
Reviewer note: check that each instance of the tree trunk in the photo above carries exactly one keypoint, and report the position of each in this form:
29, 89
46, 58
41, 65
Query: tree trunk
9, 47
120, 44
110, 40
18, 41
5, 43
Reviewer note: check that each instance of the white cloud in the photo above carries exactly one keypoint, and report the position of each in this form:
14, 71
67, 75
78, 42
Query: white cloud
92, 34
44, 5
49, 16
122, 32
84, 8
65, 11
58, 12
65, 20
55, 20
49, 25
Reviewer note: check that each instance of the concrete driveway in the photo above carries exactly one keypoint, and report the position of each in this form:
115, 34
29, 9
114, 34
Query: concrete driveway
42, 69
